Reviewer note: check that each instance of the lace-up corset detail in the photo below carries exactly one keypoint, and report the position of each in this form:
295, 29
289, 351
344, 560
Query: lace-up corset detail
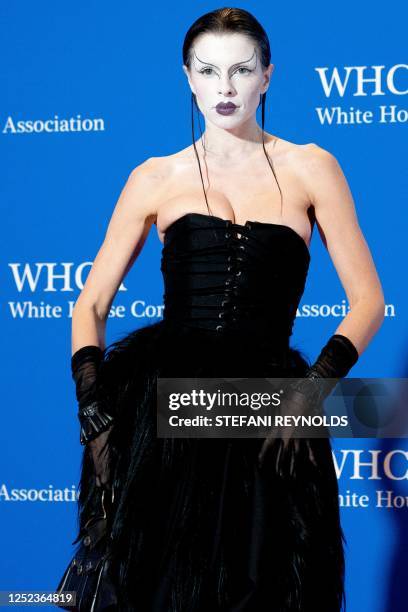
226, 277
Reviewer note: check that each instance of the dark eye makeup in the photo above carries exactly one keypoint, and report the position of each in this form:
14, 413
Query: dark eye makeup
205, 70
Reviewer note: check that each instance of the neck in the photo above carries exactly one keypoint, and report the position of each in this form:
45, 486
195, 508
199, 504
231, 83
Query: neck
232, 144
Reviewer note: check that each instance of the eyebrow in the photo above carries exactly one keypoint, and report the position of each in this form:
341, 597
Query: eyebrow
233, 66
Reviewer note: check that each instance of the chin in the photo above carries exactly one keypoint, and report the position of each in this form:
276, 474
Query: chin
227, 122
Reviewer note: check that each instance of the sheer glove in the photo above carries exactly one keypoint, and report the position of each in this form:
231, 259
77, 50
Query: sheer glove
95, 420
305, 395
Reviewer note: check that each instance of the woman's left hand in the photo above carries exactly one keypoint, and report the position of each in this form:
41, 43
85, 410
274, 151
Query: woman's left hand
284, 440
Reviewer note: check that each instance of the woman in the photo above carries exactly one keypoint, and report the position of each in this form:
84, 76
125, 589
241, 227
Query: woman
231, 525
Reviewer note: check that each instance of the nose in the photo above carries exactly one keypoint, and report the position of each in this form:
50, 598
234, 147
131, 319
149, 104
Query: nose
225, 88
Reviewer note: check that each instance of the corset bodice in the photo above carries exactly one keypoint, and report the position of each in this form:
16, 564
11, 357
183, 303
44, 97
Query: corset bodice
226, 277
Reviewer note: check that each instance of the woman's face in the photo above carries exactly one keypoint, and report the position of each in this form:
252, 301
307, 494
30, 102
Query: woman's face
227, 69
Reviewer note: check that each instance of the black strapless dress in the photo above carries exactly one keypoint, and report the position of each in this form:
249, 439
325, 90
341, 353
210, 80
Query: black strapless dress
197, 525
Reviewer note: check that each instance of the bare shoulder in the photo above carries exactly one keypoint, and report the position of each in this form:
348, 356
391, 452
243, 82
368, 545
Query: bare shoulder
148, 173
294, 155
160, 169
307, 162
146, 184
168, 170
319, 169
174, 163
149, 182
309, 155
315, 157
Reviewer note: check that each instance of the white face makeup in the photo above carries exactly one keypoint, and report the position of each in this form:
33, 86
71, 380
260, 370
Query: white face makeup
226, 68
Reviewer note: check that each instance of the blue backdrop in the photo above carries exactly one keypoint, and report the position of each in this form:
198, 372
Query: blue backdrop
90, 90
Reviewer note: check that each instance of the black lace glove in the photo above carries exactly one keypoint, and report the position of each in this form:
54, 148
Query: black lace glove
93, 415
306, 394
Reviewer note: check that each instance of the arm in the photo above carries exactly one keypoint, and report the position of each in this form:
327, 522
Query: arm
341, 234
127, 231
339, 229
126, 234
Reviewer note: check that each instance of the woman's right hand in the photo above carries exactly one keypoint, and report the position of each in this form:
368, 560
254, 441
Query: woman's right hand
95, 420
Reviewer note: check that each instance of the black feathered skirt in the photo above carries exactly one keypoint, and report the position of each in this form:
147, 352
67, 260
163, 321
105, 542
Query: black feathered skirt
196, 525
